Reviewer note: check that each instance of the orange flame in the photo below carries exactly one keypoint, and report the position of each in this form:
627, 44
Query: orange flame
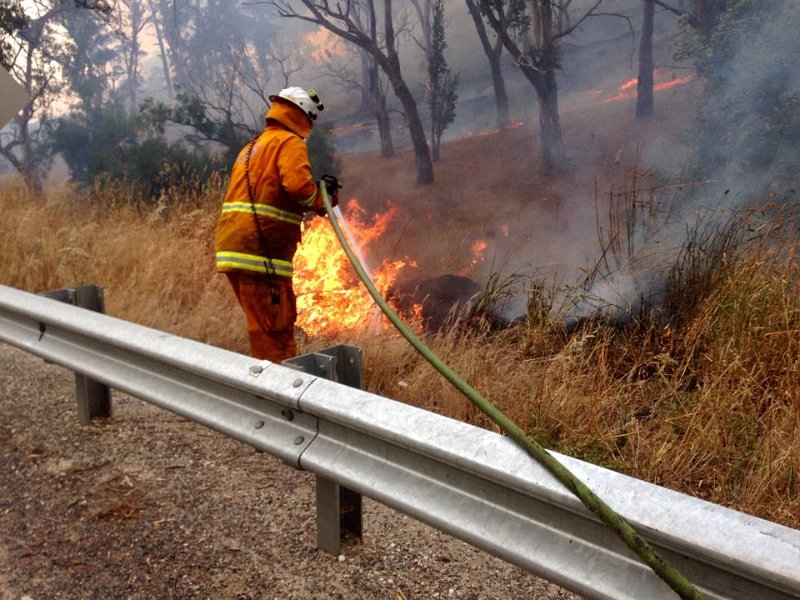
478, 247
628, 89
330, 297
665, 85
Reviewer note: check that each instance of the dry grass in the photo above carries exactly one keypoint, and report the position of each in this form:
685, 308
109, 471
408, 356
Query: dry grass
156, 265
709, 404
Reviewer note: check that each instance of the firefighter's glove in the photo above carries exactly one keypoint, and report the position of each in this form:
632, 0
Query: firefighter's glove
333, 187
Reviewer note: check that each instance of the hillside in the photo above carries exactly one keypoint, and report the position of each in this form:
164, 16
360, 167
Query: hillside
489, 186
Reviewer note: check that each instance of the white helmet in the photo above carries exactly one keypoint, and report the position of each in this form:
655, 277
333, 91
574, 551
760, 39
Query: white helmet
307, 101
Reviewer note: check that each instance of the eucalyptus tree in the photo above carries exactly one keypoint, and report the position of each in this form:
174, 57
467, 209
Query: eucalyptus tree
92, 70
198, 40
442, 82
35, 50
645, 106
372, 88
134, 17
356, 22
532, 33
493, 50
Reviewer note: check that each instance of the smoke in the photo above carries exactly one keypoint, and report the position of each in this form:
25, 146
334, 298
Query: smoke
746, 145
743, 146
754, 99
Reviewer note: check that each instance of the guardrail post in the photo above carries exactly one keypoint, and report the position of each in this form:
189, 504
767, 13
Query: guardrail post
339, 509
94, 398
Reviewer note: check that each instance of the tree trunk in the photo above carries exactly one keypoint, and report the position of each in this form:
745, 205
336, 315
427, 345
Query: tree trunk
162, 50
493, 55
644, 87
543, 79
421, 150
27, 168
500, 94
172, 35
553, 155
706, 13
367, 92
390, 63
435, 142
381, 113
133, 83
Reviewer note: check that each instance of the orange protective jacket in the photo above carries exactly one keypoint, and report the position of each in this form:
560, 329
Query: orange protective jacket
282, 190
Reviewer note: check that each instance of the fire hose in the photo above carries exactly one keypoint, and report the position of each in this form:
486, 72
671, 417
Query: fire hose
671, 576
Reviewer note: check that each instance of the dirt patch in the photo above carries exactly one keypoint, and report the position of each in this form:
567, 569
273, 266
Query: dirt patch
149, 505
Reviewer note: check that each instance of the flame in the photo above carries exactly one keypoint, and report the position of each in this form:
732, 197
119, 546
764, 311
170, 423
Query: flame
486, 132
661, 82
478, 248
324, 45
330, 297
665, 85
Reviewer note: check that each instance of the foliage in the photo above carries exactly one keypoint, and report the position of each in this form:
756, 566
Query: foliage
207, 124
222, 128
12, 19
517, 21
36, 50
442, 83
90, 66
749, 124
110, 144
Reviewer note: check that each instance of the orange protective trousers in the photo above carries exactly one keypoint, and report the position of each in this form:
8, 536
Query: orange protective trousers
271, 310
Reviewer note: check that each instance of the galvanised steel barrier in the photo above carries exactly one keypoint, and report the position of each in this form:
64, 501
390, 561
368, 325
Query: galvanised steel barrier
473, 484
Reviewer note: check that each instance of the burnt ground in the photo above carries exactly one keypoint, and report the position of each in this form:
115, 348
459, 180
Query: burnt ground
491, 187
149, 505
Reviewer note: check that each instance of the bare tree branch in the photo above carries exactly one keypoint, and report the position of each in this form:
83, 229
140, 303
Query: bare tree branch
578, 23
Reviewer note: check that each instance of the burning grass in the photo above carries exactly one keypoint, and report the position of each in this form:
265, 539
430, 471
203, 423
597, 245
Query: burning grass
707, 402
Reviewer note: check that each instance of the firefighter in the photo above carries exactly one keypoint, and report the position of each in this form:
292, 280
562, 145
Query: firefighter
258, 231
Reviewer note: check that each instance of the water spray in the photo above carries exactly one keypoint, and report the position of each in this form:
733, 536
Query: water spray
352, 240
671, 576
374, 319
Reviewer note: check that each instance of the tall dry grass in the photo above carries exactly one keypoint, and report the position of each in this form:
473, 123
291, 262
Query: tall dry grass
707, 401
155, 262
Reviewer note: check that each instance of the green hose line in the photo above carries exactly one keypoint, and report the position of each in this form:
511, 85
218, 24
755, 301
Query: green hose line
682, 586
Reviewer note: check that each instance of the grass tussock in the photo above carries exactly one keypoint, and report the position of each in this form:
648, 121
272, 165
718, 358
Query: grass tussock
705, 400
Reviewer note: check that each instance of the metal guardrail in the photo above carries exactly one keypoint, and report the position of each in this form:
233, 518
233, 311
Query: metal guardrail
94, 398
473, 484
339, 509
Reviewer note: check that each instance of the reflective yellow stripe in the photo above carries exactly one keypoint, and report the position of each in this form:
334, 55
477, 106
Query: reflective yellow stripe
264, 210
310, 200
252, 262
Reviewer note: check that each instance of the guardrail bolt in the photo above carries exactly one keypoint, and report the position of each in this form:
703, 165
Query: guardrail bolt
256, 370
297, 382
288, 414
259, 424
299, 440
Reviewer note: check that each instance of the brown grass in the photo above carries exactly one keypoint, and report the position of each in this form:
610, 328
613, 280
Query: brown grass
156, 265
